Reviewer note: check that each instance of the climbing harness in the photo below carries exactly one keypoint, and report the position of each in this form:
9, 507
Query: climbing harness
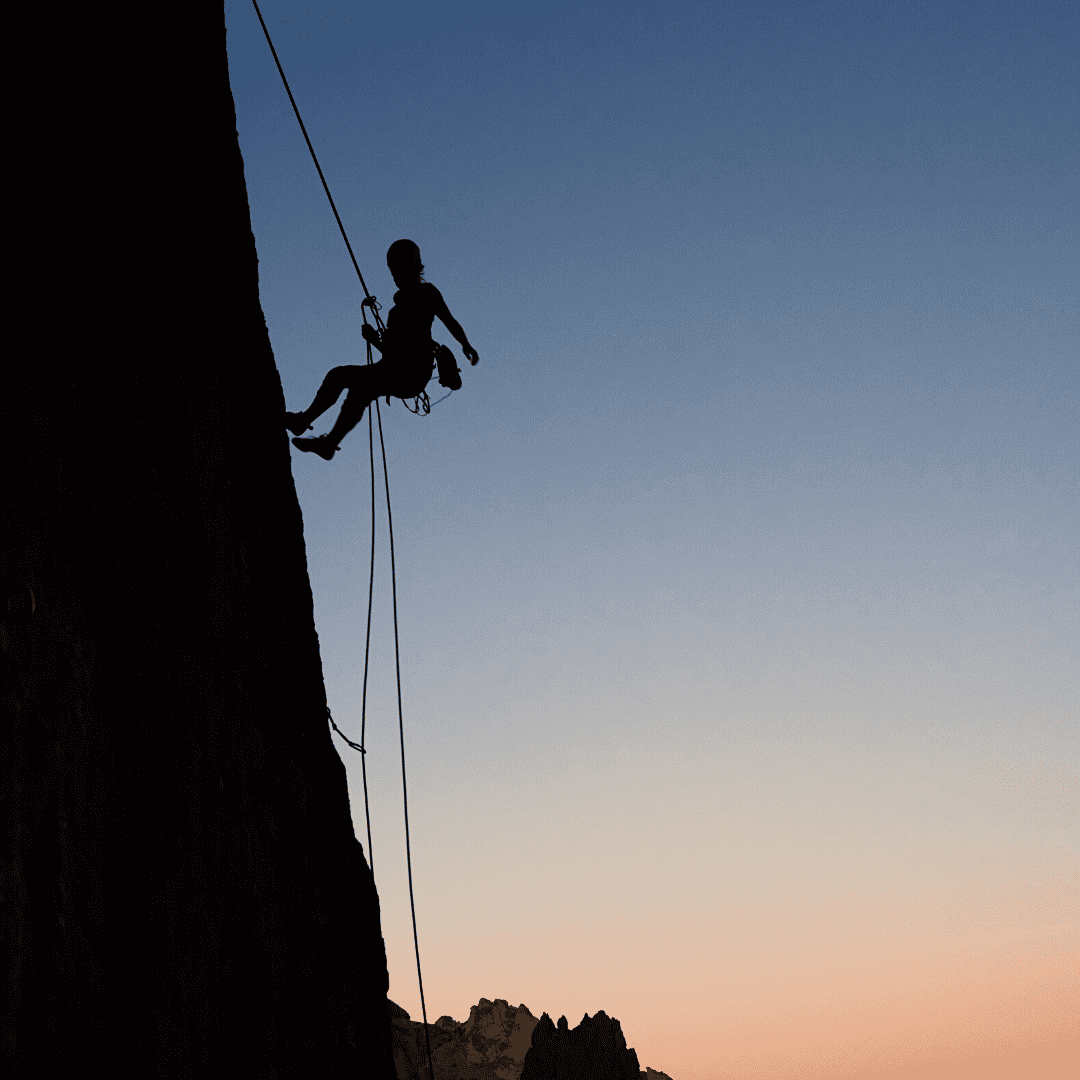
421, 402
441, 357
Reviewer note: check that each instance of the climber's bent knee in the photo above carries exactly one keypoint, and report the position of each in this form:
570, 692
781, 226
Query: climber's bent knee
343, 376
352, 408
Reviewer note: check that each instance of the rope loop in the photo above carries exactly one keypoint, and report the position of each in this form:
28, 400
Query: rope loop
422, 402
355, 746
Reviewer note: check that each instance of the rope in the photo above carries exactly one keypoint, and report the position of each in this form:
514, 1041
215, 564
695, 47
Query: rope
370, 301
355, 746
401, 728
337, 216
422, 402
367, 641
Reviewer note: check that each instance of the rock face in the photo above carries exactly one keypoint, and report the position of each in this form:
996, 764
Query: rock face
594, 1050
499, 1042
490, 1045
181, 890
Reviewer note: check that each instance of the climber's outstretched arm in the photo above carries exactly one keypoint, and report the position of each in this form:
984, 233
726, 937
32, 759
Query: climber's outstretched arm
454, 326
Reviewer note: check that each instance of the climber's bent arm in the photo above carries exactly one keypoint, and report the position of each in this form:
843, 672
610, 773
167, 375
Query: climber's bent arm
371, 335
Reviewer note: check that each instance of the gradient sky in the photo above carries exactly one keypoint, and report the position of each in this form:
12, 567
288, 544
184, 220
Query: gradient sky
738, 586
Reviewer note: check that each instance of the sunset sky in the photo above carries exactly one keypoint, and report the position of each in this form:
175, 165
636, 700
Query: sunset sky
739, 586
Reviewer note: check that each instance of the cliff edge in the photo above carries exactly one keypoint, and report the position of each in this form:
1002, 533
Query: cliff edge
182, 890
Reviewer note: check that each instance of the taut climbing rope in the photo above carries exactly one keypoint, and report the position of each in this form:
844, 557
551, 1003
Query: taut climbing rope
370, 301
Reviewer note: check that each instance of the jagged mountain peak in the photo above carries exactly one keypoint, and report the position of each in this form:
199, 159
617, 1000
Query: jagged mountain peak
493, 1042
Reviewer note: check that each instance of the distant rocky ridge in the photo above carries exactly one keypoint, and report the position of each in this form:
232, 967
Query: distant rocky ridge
595, 1050
490, 1045
493, 1043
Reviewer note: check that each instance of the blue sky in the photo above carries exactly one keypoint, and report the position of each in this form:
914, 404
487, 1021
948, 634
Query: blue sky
743, 569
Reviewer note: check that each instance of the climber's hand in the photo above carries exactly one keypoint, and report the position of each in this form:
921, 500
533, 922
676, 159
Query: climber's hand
472, 354
371, 335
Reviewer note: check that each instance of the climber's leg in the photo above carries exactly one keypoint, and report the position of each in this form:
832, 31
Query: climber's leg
336, 380
366, 383
352, 412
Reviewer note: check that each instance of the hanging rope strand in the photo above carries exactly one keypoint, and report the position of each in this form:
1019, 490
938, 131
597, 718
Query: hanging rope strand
401, 728
311, 149
367, 641
370, 300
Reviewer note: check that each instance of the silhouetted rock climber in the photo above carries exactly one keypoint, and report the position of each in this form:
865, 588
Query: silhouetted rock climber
408, 354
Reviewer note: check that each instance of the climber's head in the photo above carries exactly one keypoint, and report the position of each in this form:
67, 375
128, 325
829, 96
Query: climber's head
403, 258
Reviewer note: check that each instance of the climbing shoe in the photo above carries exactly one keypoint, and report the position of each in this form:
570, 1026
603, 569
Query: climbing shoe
296, 423
449, 372
320, 445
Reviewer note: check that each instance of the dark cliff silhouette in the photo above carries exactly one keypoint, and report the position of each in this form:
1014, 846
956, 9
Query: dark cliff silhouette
594, 1050
182, 891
